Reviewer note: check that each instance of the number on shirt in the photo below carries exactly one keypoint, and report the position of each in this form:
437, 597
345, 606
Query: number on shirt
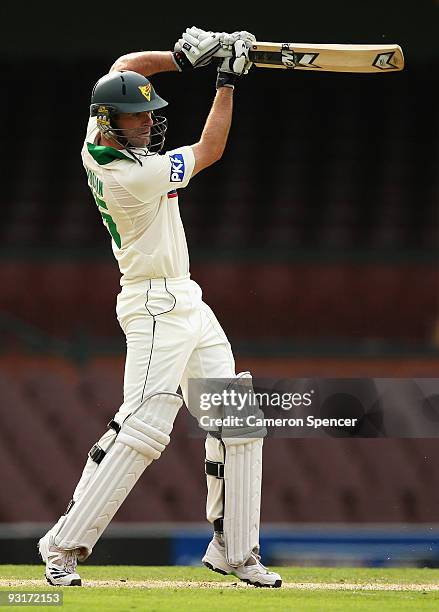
108, 220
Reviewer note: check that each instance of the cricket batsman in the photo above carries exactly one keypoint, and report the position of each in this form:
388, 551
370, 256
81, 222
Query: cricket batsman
171, 334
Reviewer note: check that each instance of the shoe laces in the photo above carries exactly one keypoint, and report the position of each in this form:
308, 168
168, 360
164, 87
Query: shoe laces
255, 559
70, 560
67, 559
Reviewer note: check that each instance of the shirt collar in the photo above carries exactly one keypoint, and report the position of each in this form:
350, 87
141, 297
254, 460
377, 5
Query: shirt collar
105, 155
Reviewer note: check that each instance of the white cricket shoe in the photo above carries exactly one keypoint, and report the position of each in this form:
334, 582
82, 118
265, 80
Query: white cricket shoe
60, 564
252, 572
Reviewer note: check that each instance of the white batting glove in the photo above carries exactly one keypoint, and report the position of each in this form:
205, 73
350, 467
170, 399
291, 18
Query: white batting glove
235, 66
228, 40
195, 48
238, 62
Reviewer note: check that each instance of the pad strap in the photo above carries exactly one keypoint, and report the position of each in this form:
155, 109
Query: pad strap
96, 452
214, 468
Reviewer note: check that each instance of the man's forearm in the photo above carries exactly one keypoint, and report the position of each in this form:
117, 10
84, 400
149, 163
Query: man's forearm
216, 129
146, 62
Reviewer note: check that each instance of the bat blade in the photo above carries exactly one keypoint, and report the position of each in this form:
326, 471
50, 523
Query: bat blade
330, 58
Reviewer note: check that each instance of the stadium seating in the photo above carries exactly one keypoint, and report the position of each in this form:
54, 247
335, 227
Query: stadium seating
280, 304
53, 411
343, 173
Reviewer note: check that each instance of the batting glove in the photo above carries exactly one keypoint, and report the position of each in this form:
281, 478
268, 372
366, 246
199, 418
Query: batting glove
235, 66
228, 40
195, 48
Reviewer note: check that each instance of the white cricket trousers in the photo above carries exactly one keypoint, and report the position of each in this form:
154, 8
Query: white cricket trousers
172, 336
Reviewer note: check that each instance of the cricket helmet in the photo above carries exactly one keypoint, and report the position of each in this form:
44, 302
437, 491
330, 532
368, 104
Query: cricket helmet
127, 92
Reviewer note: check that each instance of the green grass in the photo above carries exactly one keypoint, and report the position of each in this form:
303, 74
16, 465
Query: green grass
120, 598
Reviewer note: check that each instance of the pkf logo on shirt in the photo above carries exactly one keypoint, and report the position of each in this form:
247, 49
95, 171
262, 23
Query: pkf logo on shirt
177, 168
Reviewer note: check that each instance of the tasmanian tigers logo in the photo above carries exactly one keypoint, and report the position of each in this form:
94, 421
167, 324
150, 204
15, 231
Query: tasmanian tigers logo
145, 90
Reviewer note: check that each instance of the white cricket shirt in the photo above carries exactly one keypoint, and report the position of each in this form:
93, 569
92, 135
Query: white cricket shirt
139, 207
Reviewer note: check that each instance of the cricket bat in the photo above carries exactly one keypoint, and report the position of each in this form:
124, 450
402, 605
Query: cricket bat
329, 58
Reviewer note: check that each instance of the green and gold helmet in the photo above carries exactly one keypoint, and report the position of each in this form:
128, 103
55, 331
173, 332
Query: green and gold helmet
127, 92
